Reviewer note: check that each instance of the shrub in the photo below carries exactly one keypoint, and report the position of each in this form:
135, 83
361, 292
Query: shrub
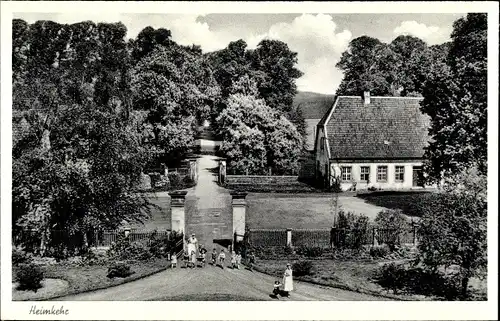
119, 270
187, 181
302, 268
393, 277
417, 280
123, 249
175, 180
379, 251
310, 251
352, 230
19, 256
29, 276
394, 223
94, 258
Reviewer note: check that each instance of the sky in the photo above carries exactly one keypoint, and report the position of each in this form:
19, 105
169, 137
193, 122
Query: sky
319, 39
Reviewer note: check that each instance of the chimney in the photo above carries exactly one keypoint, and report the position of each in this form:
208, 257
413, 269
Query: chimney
366, 96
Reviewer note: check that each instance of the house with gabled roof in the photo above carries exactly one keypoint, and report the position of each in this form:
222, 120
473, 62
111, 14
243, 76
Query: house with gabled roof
365, 141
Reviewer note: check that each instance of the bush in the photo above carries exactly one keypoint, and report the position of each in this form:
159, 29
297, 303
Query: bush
187, 181
175, 180
393, 277
123, 249
119, 270
379, 251
310, 251
352, 230
29, 276
394, 223
19, 256
302, 268
94, 258
416, 280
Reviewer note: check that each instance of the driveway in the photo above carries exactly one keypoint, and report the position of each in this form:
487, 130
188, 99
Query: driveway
213, 284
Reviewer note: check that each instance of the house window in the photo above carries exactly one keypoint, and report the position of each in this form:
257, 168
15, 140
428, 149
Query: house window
382, 174
400, 174
322, 143
346, 173
365, 174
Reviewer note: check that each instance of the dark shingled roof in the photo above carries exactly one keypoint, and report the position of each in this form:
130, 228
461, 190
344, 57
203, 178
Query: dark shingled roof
386, 128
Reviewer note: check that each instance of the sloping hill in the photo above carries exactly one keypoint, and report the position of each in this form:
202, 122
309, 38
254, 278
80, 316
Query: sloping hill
313, 105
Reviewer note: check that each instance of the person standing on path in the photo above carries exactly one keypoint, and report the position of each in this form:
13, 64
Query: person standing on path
287, 280
192, 244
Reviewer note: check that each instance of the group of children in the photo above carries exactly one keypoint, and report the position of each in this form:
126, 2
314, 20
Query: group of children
191, 259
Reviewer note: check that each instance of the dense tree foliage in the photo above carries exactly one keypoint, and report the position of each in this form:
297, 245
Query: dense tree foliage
453, 229
271, 67
76, 165
256, 138
455, 97
176, 89
399, 68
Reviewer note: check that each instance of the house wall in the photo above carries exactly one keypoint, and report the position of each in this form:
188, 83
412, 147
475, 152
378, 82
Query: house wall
322, 158
391, 183
311, 132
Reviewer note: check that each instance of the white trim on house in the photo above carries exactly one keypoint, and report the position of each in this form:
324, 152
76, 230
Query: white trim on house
327, 120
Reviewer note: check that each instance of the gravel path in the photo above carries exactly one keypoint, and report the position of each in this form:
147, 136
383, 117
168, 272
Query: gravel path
213, 283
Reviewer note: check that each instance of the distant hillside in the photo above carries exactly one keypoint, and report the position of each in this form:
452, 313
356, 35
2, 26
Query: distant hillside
313, 105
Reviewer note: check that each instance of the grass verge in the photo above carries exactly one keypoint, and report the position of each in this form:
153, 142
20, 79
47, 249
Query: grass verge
90, 278
354, 276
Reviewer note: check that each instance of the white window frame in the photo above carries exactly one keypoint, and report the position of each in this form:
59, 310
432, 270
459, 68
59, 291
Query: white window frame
401, 172
342, 173
386, 173
367, 173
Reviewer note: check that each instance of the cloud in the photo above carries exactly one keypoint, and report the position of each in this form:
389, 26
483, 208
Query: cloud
430, 34
319, 48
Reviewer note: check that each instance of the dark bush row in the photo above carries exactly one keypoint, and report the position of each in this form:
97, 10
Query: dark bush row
416, 280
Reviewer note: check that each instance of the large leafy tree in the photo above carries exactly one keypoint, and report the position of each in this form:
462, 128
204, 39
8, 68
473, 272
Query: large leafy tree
78, 162
455, 99
175, 87
256, 137
453, 229
399, 68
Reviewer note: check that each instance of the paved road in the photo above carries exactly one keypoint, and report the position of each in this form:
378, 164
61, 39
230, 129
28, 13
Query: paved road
211, 216
213, 283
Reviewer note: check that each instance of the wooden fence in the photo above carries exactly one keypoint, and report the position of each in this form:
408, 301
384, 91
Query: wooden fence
326, 237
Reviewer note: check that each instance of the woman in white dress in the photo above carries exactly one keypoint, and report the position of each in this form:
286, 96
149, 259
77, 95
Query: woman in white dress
287, 280
192, 244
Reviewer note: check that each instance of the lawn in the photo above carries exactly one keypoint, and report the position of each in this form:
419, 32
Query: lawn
356, 275
348, 275
407, 201
301, 211
72, 279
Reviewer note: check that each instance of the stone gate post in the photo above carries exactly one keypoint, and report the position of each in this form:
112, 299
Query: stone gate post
239, 206
222, 171
178, 210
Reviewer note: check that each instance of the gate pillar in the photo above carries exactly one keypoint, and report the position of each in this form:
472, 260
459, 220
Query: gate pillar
177, 202
239, 206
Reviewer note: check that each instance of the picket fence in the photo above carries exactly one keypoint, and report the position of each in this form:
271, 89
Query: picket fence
96, 238
326, 237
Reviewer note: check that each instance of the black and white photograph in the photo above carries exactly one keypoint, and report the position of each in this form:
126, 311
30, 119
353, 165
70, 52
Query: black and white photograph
228, 155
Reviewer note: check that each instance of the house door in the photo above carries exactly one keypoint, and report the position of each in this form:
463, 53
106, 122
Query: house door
417, 176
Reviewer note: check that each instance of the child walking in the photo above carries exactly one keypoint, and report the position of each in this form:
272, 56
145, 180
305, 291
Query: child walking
193, 259
222, 258
173, 260
238, 260
233, 260
214, 257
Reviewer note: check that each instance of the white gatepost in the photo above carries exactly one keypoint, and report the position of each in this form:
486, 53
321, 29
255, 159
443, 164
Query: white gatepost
289, 237
239, 206
177, 201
